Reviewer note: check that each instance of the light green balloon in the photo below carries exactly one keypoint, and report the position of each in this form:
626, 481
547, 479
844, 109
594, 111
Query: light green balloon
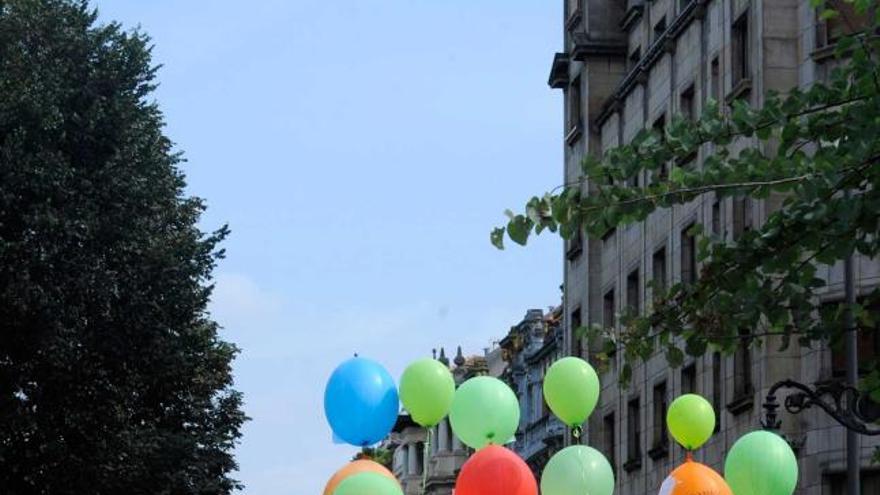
571, 387
426, 391
368, 483
484, 410
691, 420
761, 463
577, 470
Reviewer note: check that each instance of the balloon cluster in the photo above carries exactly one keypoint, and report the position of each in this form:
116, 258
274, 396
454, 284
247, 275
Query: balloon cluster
361, 403
759, 463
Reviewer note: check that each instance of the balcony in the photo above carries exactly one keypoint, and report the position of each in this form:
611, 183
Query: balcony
559, 71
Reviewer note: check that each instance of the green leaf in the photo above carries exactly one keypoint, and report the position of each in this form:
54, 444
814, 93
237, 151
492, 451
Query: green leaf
519, 228
828, 14
497, 237
674, 356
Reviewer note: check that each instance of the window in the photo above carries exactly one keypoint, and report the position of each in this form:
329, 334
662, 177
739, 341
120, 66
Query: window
716, 388
608, 439
574, 105
634, 57
633, 434
659, 270
659, 127
716, 80
742, 366
742, 216
847, 22
632, 292
537, 401
688, 256
740, 48
686, 103
870, 483
716, 218
608, 309
575, 246
659, 404
868, 344
578, 340
689, 379
420, 457
659, 28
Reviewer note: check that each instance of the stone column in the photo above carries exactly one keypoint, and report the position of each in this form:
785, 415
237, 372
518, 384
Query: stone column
413, 458
443, 436
456, 444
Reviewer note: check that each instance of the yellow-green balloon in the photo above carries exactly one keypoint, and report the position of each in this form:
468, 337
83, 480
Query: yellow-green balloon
761, 463
426, 391
691, 420
577, 470
484, 410
571, 387
368, 483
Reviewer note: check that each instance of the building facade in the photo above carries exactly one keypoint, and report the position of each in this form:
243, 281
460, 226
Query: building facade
529, 349
630, 65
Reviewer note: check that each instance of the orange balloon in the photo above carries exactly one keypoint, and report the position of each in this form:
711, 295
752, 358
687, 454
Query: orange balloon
693, 478
354, 467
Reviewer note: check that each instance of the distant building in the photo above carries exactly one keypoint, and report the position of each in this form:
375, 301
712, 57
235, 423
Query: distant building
446, 453
529, 349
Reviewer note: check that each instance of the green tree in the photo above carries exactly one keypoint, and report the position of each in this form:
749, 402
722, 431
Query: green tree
813, 152
381, 455
112, 376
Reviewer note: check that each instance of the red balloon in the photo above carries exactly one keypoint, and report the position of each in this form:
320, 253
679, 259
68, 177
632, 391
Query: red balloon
495, 470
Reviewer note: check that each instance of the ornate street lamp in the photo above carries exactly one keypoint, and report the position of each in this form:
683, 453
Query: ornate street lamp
850, 407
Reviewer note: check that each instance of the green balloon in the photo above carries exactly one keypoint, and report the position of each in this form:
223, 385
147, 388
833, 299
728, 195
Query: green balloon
691, 420
761, 463
571, 387
368, 483
577, 470
426, 391
484, 410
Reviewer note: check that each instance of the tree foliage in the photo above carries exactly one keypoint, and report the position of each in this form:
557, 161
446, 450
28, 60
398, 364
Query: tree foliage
113, 378
813, 151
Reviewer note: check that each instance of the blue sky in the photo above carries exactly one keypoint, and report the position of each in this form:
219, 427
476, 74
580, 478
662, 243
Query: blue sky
361, 153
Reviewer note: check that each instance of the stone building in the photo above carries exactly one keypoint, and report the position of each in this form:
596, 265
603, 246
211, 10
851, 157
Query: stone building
529, 349
629, 65
446, 453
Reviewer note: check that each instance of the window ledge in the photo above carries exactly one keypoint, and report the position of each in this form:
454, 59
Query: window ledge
632, 15
659, 451
824, 53
829, 50
574, 134
632, 464
742, 88
741, 403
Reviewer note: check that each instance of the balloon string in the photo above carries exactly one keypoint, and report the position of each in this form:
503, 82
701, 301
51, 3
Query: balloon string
429, 432
576, 431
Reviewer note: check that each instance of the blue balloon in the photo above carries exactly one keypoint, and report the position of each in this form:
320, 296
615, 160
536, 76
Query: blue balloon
360, 402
